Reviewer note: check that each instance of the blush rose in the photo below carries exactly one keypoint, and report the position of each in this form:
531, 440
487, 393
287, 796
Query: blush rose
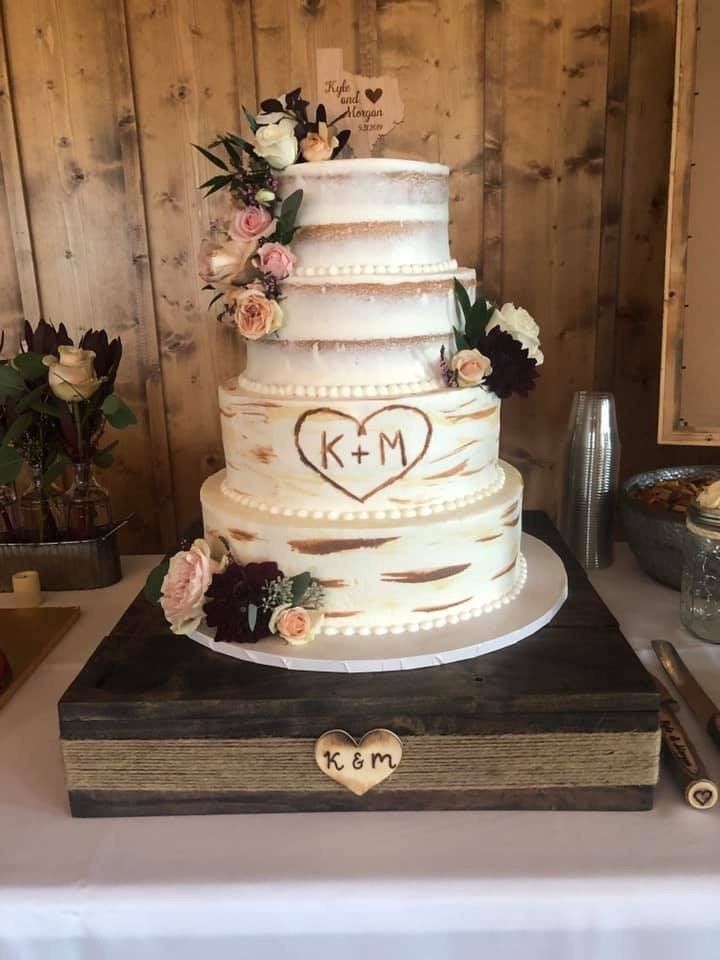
471, 367
318, 146
251, 223
226, 262
183, 590
276, 259
295, 625
255, 315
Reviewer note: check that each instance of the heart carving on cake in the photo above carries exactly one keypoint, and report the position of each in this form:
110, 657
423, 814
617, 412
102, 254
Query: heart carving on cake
374, 95
359, 457
358, 765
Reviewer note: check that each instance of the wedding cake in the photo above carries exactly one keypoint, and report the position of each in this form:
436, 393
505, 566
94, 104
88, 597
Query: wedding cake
361, 440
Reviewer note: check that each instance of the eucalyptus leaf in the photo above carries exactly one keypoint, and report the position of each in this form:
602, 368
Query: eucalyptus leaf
211, 157
11, 383
10, 464
17, 428
300, 584
252, 122
151, 590
252, 615
462, 298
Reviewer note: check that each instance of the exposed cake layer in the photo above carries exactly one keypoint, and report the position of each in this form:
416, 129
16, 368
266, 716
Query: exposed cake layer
387, 576
358, 332
370, 213
360, 457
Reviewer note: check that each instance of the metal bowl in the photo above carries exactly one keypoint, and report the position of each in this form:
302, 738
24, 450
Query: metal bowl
655, 534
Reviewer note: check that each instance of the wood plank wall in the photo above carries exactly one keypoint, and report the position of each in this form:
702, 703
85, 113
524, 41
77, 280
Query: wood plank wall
554, 116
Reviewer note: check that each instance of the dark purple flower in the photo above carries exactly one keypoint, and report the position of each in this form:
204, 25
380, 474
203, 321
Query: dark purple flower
230, 597
513, 371
45, 339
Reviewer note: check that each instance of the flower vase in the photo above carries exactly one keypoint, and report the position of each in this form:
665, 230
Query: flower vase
9, 520
41, 510
87, 504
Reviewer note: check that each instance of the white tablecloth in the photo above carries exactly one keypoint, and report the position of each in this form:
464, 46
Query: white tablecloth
597, 886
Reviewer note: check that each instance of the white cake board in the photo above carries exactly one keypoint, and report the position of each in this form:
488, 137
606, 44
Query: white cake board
544, 593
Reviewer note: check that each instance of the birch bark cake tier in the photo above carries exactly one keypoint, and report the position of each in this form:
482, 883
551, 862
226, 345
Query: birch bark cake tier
362, 492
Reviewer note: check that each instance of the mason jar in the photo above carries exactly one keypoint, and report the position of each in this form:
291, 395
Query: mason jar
700, 592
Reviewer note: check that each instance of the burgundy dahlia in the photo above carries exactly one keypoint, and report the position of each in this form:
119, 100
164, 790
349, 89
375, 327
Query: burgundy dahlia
513, 371
230, 597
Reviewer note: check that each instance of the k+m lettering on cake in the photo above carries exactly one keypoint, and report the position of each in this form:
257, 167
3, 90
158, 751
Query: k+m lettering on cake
361, 457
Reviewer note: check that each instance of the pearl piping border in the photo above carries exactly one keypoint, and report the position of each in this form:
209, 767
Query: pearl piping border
370, 269
437, 622
323, 392
441, 506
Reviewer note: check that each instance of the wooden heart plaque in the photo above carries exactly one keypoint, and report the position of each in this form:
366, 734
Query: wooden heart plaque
361, 457
358, 765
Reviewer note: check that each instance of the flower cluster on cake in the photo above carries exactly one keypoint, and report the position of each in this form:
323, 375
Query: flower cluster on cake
361, 440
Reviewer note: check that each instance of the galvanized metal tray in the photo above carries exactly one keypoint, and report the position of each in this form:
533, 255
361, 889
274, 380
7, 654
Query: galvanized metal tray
65, 564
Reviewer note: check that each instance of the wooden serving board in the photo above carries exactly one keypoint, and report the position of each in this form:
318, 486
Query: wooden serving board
568, 718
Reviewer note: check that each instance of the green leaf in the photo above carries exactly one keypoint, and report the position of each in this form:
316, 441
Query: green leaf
461, 341
30, 398
103, 459
118, 413
252, 122
217, 181
53, 471
10, 464
243, 144
252, 615
11, 383
31, 366
300, 584
462, 298
17, 428
290, 207
211, 157
47, 409
151, 590
235, 157
218, 186
480, 315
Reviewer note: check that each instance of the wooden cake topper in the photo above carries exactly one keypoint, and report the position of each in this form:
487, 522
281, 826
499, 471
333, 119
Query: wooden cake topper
373, 104
351, 454
358, 766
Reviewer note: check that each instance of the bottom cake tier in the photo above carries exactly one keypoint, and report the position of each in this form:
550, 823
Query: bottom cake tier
387, 576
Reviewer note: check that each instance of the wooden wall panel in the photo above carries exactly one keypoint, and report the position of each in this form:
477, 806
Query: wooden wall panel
553, 147
553, 116
72, 169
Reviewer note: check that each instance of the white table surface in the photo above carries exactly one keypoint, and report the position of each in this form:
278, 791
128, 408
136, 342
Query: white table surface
434, 885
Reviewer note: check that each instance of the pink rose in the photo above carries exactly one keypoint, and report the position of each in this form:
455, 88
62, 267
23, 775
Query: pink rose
254, 314
183, 589
226, 262
251, 223
471, 367
295, 625
276, 259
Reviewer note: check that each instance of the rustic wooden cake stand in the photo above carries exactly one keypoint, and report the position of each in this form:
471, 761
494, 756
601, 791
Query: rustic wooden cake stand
158, 724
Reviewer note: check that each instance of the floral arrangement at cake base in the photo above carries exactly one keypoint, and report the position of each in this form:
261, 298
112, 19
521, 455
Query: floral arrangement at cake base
243, 603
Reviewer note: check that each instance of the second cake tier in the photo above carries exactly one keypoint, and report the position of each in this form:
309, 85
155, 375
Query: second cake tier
337, 456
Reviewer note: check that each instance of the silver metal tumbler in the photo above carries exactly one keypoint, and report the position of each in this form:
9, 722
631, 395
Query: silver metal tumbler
590, 479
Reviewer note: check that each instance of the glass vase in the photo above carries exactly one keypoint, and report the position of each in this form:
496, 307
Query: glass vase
9, 519
41, 511
87, 504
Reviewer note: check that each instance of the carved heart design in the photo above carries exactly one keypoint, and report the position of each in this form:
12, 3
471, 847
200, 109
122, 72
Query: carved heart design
374, 95
358, 766
703, 796
389, 442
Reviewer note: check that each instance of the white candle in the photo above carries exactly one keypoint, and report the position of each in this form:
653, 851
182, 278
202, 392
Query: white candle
26, 587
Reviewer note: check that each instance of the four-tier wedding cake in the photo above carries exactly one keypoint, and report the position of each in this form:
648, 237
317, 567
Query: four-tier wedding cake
362, 492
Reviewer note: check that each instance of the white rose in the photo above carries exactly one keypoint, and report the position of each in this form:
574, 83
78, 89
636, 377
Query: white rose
520, 325
710, 496
72, 378
276, 142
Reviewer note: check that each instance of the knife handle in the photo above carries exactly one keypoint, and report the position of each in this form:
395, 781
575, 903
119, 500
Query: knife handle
688, 769
713, 728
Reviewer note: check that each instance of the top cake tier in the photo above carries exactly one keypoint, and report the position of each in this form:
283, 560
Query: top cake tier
373, 216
